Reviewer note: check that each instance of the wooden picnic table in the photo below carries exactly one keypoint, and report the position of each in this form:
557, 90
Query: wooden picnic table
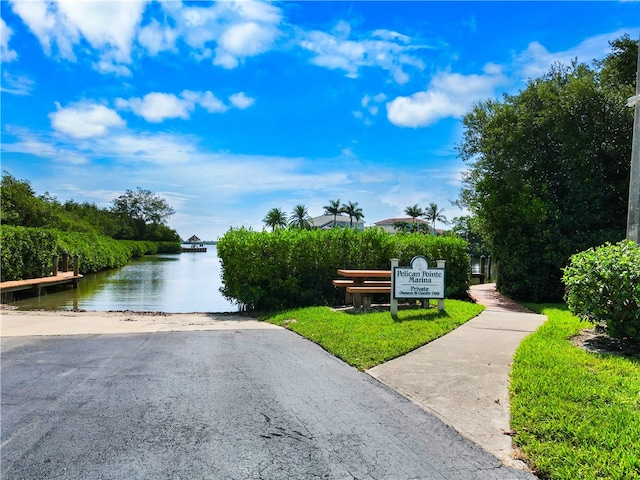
360, 285
360, 275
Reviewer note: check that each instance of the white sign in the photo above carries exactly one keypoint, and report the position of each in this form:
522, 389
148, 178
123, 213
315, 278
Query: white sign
418, 281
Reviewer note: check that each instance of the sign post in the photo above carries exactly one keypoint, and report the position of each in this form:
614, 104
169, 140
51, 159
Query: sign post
394, 300
418, 282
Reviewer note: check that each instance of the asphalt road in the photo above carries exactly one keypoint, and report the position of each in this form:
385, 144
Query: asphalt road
243, 404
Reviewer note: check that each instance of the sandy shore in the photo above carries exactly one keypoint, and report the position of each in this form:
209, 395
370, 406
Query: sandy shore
14, 323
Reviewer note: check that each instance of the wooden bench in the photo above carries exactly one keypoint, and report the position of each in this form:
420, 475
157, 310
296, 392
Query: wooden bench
369, 289
366, 292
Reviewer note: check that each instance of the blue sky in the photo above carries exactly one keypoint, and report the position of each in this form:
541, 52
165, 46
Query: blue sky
229, 109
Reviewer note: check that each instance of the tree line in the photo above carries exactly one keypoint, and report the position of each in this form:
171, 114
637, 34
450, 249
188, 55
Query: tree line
549, 169
135, 215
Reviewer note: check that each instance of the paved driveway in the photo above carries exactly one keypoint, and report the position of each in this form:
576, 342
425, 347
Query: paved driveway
234, 404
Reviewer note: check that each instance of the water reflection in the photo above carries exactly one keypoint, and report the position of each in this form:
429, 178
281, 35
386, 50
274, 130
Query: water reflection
173, 283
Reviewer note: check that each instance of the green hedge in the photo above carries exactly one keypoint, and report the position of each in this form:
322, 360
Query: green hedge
27, 252
603, 286
292, 268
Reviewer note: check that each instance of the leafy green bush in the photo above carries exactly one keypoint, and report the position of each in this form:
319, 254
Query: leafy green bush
27, 252
603, 286
291, 268
168, 247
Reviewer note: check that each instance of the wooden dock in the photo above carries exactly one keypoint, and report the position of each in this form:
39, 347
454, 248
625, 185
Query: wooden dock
194, 249
56, 277
38, 283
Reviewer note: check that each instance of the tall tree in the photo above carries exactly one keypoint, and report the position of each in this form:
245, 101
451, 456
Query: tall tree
19, 204
140, 211
300, 217
433, 214
275, 219
334, 208
414, 212
143, 205
353, 211
549, 170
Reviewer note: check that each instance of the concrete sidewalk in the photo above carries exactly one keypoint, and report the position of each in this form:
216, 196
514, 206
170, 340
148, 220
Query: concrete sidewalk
463, 377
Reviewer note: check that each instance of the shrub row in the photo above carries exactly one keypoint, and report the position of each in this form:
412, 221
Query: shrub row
292, 268
27, 252
603, 286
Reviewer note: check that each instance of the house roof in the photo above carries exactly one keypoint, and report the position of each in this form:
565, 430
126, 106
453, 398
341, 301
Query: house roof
326, 221
194, 238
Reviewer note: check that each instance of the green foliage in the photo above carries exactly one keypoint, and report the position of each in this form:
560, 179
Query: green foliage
412, 227
367, 340
300, 217
289, 268
575, 414
136, 215
168, 247
603, 286
275, 219
19, 204
353, 211
550, 170
27, 252
143, 205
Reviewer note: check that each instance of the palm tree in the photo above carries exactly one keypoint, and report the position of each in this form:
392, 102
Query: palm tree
353, 211
433, 214
414, 212
334, 209
275, 218
300, 217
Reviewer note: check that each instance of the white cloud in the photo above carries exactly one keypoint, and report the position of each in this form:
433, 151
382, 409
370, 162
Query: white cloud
241, 101
157, 38
381, 97
384, 49
206, 100
85, 120
16, 84
448, 95
109, 27
153, 148
30, 144
536, 59
370, 108
243, 40
156, 106
42, 19
6, 54
227, 31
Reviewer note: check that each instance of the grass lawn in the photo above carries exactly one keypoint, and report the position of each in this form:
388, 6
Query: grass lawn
576, 414
366, 340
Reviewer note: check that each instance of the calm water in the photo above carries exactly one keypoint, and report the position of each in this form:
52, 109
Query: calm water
171, 283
